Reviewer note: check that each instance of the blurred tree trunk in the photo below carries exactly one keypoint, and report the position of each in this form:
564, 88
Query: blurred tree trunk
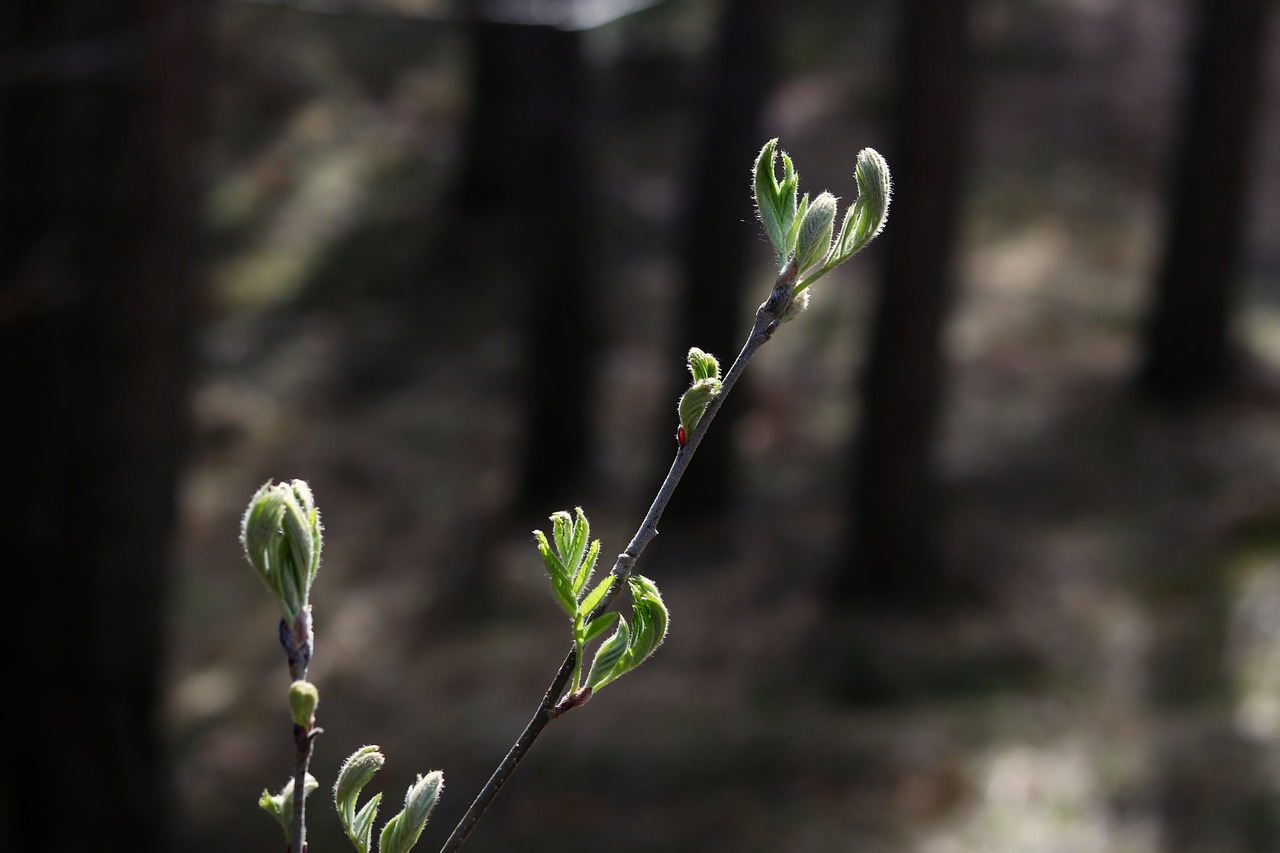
1188, 352
523, 198
96, 111
894, 555
717, 229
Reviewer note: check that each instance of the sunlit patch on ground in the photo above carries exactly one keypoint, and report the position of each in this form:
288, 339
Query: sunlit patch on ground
1049, 798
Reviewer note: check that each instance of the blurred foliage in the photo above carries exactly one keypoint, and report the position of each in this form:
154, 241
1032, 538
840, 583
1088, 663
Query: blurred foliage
1090, 704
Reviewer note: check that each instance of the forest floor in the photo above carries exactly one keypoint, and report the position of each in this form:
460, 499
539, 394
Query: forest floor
1115, 686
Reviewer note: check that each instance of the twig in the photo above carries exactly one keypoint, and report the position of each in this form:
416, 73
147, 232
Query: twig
298, 641
303, 740
768, 316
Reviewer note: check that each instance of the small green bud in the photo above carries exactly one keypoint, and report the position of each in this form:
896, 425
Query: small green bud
813, 241
694, 402
403, 830
303, 699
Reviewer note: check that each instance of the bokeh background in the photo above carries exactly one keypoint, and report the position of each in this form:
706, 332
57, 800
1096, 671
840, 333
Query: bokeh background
984, 555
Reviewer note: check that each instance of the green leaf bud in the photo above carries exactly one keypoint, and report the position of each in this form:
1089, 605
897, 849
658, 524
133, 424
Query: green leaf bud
303, 699
282, 539
694, 402
813, 241
403, 830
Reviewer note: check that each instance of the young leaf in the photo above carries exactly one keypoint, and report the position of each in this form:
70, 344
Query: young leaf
693, 403
866, 217
361, 829
561, 583
796, 218
577, 544
647, 633
598, 626
562, 533
357, 771
280, 805
650, 618
611, 651
403, 830
586, 568
593, 598
775, 201
703, 365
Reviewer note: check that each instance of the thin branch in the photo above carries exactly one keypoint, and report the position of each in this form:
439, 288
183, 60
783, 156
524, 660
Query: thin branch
298, 639
303, 740
768, 316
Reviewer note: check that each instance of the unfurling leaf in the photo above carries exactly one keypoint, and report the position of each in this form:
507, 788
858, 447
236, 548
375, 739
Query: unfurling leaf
776, 201
403, 830
650, 620
627, 649
280, 805
866, 217
608, 656
702, 364
694, 402
569, 556
356, 772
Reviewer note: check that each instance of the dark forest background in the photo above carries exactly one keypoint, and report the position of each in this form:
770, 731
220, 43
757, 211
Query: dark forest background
983, 556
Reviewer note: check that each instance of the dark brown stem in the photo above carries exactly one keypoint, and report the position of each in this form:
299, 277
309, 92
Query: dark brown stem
768, 315
303, 740
298, 641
